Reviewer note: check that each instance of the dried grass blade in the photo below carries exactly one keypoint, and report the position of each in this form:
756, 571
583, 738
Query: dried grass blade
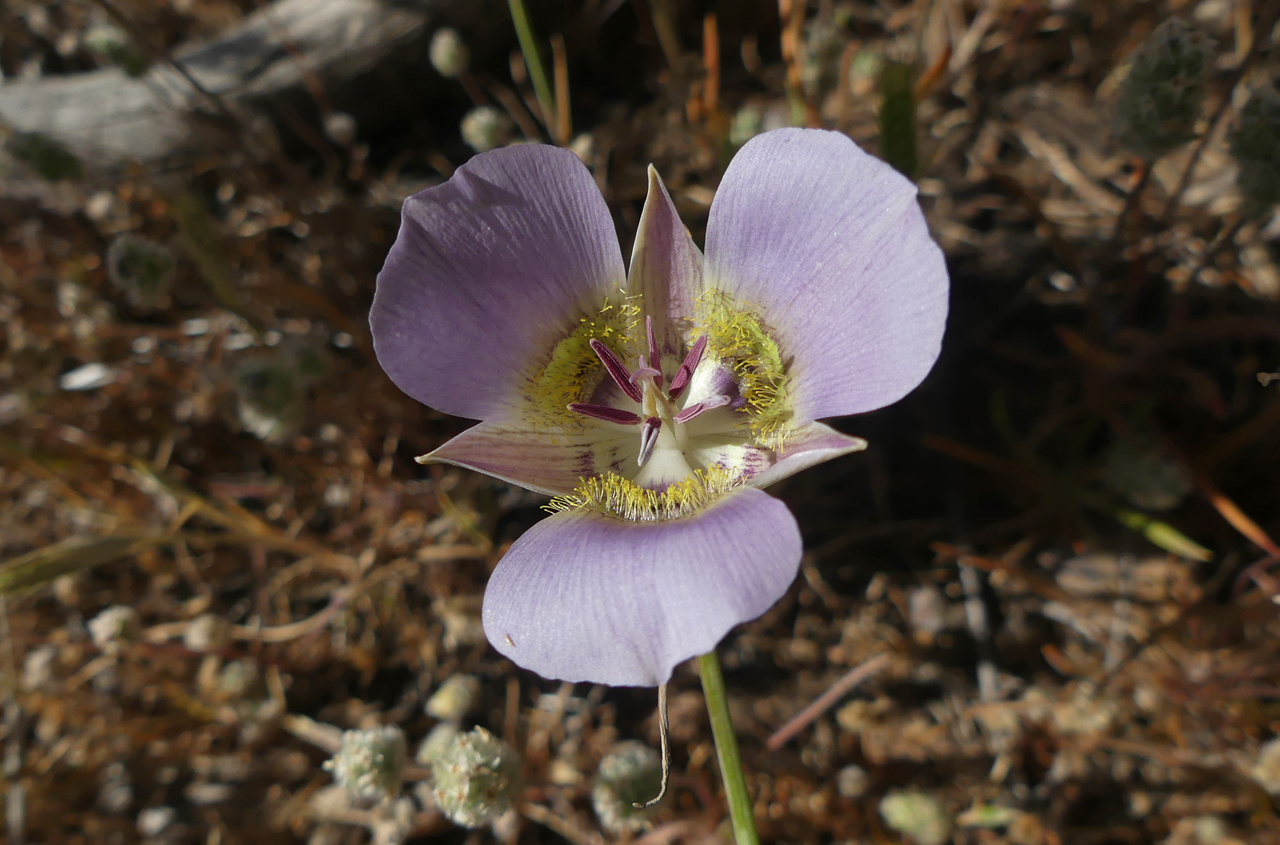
41, 566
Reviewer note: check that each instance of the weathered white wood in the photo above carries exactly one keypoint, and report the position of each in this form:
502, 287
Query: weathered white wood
106, 117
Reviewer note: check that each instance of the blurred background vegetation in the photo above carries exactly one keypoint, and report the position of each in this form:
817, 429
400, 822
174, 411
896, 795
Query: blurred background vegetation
1038, 609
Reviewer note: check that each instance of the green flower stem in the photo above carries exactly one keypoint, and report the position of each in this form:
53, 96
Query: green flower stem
533, 61
735, 781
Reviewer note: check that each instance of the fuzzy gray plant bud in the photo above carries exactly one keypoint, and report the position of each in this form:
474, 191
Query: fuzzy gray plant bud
918, 816
476, 777
437, 740
114, 46
341, 128
746, 124
1256, 147
449, 53
1159, 100
1145, 475
484, 128
454, 699
141, 268
370, 764
269, 399
271, 391
631, 774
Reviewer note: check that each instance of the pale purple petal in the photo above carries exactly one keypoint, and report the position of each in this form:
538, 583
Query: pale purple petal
666, 268
551, 464
830, 245
488, 272
585, 597
805, 447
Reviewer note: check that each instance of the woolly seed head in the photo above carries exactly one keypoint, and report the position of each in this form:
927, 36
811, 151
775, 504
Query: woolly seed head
631, 774
114, 46
1145, 475
141, 268
271, 391
1160, 98
449, 53
484, 128
454, 699
476, 778
370, 764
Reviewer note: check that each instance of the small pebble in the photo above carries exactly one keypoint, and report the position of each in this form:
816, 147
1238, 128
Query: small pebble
918, 816
37, 668
153, 820
114, 625
1266, 770
204, 794
207, 632
88, 377
852, 781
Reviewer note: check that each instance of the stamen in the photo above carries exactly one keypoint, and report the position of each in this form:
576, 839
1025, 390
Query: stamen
663, 730
691, 361
617, 371
648, 437
655, 358
604, 412
697, 408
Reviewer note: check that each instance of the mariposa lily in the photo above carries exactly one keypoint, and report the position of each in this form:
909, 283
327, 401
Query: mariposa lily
654, 403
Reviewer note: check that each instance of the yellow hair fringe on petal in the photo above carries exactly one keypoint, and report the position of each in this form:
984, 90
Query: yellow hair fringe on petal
736, 336
573, 367
620, 497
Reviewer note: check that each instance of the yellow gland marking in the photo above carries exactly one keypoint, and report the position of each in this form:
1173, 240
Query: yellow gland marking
737, 337
620, 497
574, 368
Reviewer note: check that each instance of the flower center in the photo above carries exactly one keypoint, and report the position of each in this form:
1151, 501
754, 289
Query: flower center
663, 436
706, 417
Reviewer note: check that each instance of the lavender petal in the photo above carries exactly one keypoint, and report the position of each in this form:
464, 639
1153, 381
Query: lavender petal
830, 244
807, 446
666, 268
551, 465
585, 597
488, 272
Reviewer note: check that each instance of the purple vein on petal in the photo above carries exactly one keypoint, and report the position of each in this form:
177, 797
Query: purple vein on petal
616, 369
681, 379
604, 412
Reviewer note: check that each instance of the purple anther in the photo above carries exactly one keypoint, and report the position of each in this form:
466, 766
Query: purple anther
691, 361
604, 412
648, 437
655, 358
617, 371
698, 407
